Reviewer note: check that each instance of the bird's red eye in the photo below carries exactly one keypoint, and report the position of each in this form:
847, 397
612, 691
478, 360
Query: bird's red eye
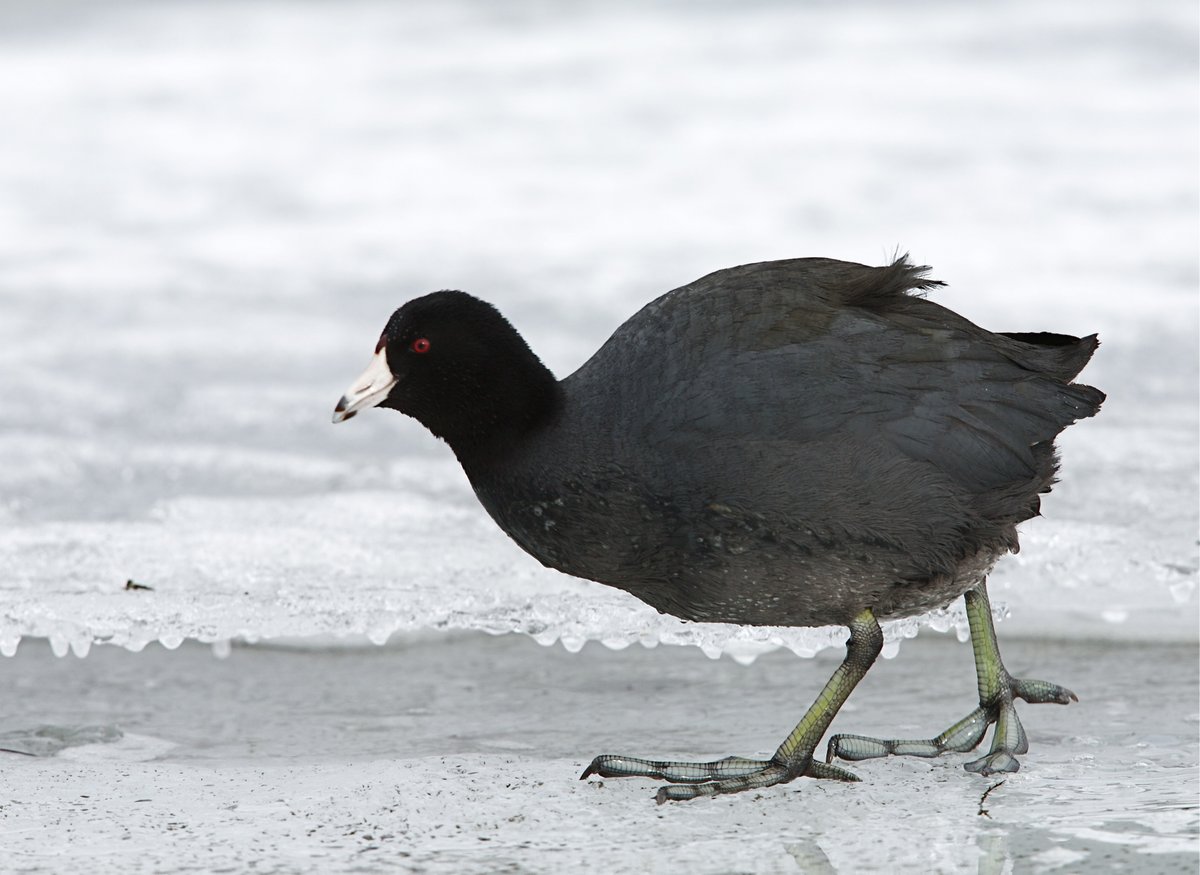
420, 345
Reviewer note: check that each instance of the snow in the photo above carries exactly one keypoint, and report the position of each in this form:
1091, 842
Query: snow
209, 210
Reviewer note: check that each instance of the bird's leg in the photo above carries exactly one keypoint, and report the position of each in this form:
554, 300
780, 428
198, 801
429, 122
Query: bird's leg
793, 758
998, 691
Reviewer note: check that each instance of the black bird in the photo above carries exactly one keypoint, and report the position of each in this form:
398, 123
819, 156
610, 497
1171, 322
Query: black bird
793, 443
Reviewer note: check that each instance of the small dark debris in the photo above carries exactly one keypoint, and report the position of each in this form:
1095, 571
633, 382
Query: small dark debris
132, 586
983, 812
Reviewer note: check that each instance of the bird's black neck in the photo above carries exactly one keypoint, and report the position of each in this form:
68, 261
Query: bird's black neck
511, 408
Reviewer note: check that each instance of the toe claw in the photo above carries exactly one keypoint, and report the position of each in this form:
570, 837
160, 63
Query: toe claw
818, 769
597, 767
995, 763
833, 748
1042, 692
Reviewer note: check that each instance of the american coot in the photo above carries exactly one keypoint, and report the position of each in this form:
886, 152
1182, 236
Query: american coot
797, 443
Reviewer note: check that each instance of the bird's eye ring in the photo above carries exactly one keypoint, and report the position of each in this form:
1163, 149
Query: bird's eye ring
421, 345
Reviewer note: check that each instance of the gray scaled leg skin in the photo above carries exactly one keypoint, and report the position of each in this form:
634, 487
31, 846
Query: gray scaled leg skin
794, 757
998, 690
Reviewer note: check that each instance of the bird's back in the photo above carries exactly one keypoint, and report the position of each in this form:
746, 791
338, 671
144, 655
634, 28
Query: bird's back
800, 350
787, 442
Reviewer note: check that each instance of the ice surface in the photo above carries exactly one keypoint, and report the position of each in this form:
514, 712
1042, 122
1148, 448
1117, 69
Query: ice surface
207, 212
461, 755
45, 741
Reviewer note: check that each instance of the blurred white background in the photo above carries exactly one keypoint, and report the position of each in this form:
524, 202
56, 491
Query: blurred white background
208, 211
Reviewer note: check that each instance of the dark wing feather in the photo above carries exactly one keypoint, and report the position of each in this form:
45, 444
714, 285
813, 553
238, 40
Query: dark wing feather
821, 348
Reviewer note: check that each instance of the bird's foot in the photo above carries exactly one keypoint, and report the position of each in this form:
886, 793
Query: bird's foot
792, 759
730, 775
999, 708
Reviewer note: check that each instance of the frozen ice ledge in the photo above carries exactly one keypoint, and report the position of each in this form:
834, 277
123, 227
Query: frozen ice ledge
367, 565
135, 618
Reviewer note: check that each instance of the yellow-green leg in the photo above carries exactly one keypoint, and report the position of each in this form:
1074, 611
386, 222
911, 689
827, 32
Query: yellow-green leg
998, 690
793, 758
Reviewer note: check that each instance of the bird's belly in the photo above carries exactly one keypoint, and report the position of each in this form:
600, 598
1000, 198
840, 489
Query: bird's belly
800, 590
726, 567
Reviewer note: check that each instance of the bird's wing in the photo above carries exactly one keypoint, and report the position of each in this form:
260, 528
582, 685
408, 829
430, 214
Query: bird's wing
811, 349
